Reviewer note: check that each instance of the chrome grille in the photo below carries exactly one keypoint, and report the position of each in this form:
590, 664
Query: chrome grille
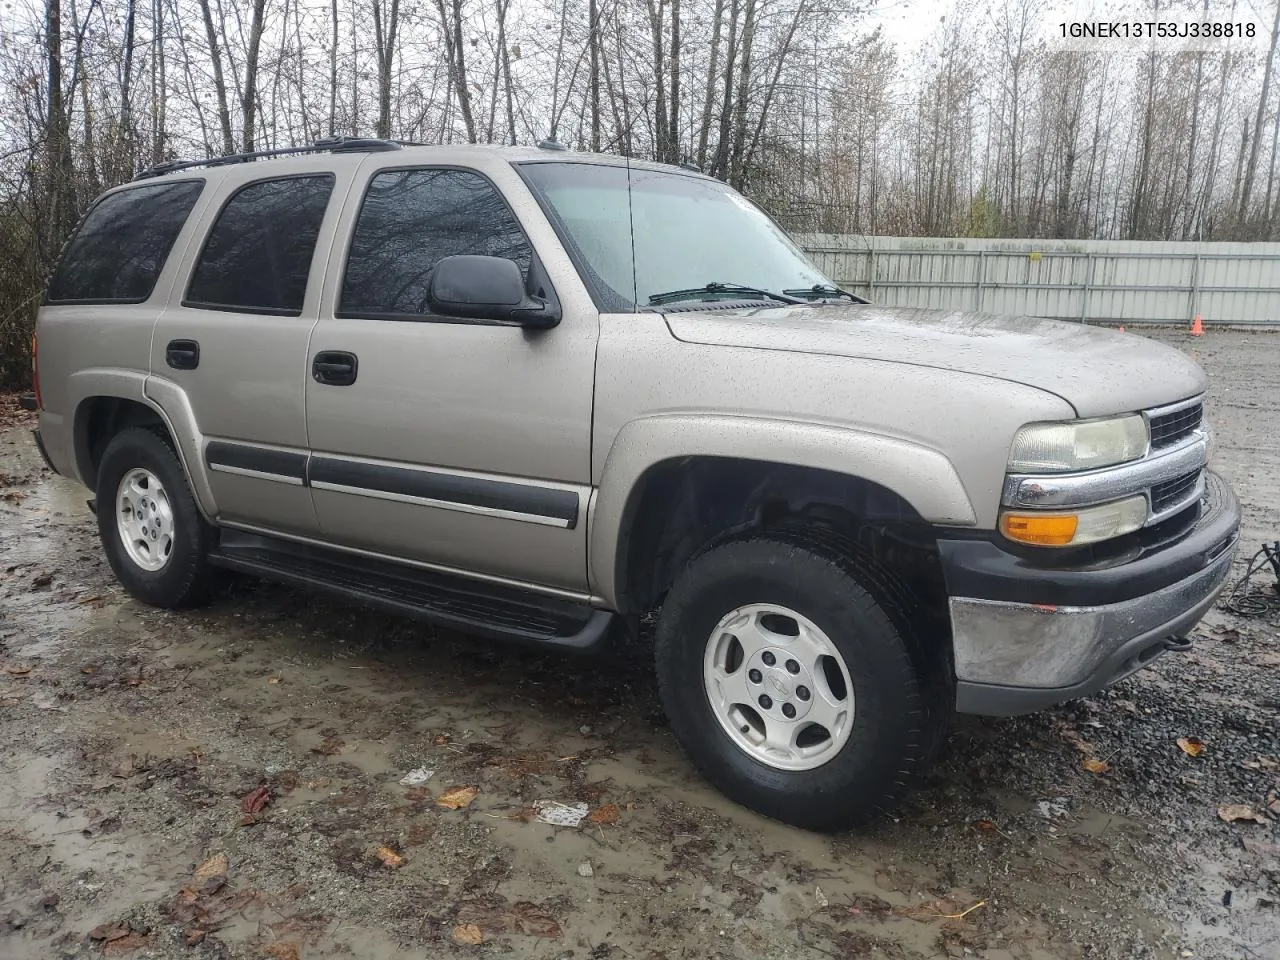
1169, 428
1170, 492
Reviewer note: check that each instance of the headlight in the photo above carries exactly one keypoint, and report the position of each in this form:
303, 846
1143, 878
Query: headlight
1078, 445
1073, 528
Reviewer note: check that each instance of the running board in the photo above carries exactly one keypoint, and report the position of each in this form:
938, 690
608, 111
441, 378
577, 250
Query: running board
469, 606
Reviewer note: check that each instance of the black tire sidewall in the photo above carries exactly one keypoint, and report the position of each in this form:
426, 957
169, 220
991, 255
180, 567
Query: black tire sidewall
886, 740
182, 580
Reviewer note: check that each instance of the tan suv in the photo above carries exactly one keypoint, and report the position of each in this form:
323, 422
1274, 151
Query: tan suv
536, 395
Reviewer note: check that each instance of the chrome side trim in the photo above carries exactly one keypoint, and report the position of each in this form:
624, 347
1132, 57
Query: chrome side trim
1110, 483
443, 504
256, 474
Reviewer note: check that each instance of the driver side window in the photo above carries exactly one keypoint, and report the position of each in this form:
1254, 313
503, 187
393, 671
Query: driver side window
408, 222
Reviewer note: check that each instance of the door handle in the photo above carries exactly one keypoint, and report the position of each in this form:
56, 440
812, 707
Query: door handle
182, 354
336, 368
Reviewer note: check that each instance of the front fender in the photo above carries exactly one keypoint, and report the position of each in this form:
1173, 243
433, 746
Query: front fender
920, 475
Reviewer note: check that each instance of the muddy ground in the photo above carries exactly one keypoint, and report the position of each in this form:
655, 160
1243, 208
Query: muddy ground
226, 783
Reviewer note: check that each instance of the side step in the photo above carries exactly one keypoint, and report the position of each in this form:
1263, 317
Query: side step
469, 606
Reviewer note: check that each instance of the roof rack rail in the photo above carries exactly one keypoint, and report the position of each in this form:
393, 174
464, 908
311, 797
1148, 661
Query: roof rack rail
325, 145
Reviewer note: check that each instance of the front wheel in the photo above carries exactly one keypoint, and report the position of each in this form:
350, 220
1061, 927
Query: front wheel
790, 682
154, 536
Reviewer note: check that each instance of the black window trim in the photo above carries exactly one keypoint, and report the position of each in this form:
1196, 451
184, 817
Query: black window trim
259, 311
108, 301
535, 262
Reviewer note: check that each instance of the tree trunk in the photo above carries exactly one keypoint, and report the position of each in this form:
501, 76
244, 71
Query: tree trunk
708, 100
250, 103
385, 42
1251, 168
333, 68
219, 83
737, 166
59, 172
673, 101
593, 17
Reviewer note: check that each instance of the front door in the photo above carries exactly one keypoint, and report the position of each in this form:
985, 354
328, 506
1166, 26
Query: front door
460, 444
234, 341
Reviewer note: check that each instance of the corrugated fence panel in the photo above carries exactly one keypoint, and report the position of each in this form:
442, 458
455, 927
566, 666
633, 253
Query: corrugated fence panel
1103, 281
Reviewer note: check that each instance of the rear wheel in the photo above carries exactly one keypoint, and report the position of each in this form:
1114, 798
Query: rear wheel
789, 679
154, 536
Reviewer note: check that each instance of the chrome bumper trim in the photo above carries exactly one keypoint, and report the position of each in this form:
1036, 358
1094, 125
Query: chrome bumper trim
1041, 646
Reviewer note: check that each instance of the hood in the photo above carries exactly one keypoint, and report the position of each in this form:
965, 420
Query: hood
1097, 371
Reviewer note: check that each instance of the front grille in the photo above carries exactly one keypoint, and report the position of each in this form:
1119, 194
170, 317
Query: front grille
1168, 428
1167, 494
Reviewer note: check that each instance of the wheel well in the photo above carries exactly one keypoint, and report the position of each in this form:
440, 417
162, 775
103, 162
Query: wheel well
98, 419
680, 508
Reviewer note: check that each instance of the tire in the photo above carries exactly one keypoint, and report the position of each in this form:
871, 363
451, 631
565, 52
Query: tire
175, 572
866, 762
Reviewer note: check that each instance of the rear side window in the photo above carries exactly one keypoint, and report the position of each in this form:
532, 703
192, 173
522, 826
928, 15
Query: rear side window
121, 247
412, 219
258, 254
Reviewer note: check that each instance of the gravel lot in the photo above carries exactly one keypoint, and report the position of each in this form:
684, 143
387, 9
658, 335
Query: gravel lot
226, 783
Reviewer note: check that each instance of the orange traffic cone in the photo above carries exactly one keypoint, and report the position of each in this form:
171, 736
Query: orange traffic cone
1197, 327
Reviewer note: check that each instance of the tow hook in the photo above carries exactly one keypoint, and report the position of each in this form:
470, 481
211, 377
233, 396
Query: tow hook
1178, 644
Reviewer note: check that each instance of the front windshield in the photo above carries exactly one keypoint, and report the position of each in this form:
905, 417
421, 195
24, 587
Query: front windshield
689, 232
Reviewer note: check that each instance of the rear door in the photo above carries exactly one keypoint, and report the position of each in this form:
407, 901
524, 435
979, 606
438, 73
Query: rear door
235, 338
463, 444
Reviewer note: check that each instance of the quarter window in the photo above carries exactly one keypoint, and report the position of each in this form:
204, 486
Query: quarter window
120, 249
412, 219
258, 254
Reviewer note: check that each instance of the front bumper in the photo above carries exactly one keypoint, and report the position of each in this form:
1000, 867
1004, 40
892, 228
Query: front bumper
1026, 637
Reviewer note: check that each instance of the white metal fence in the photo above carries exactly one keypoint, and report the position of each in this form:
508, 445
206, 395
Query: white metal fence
1101, 281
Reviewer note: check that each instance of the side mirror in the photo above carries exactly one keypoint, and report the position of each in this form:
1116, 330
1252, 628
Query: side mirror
487, 288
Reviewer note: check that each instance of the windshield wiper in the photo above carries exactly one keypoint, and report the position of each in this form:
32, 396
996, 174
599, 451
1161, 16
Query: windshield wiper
722, 290
824, 291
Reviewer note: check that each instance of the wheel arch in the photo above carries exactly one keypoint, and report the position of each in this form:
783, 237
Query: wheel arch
111, 401
673, 485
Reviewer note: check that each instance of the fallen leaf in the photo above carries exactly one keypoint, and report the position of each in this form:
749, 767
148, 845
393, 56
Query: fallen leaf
455, 798
17, 671
215, 866
467, 935
609, 815
1094, 765
984, 824
389, 857
282, 950
194, 937
440, 739
187, 895
1262, 763
1191, 746
109, 932
256, 800
522, 918
273, 679
821, 898
89, 668
1231, 812
331, 744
